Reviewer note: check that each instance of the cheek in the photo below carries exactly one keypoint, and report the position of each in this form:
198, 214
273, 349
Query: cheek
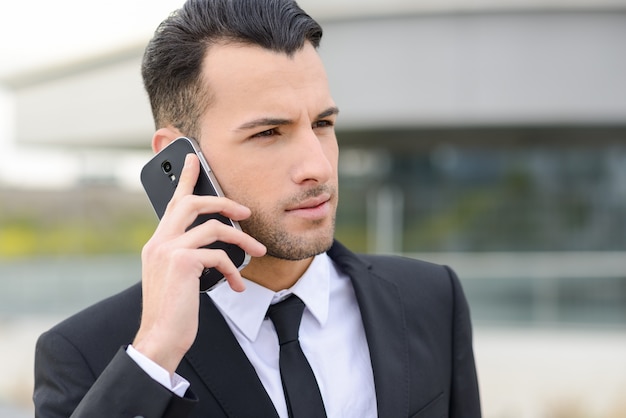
228, 180
332, 154
231, 172
234, 187
244, 186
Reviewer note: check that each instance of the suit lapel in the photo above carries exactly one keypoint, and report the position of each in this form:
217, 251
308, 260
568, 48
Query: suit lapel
224, 368
385, 329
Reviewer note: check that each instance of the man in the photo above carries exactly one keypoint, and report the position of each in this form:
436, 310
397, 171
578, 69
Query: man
384, 336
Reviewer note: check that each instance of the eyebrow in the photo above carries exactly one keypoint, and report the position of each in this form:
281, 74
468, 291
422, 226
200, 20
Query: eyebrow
280, 121
328, 112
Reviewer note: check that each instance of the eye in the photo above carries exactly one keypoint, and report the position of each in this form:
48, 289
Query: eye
266, 133
323, 124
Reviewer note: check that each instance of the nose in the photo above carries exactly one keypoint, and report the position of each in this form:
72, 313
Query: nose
314, 158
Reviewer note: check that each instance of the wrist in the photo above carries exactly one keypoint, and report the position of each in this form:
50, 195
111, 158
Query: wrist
163, 354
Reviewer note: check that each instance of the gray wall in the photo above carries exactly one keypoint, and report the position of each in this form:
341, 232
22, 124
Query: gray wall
479, 69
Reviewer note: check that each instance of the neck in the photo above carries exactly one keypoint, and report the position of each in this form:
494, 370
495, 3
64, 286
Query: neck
274, 273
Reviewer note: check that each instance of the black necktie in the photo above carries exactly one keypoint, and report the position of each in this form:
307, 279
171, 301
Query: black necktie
299, 384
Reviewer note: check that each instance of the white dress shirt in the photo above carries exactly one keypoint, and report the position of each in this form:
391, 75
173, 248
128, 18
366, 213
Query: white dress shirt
331, 335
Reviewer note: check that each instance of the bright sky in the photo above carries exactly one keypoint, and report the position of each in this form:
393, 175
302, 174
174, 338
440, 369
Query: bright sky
43, 32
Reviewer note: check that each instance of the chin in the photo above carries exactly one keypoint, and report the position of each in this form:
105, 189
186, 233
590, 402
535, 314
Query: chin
298, 248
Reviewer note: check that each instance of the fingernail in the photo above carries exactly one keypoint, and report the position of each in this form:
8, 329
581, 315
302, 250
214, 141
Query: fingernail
262, 248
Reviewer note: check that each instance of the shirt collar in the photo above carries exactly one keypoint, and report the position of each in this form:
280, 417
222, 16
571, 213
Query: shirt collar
247, 309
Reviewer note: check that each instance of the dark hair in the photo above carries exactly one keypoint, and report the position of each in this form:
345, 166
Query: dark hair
172, 62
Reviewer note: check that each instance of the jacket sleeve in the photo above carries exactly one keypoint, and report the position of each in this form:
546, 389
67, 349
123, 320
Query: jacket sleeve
66, 386
464, 396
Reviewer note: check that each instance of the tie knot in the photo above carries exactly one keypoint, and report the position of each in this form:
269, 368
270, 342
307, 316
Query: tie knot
286, 316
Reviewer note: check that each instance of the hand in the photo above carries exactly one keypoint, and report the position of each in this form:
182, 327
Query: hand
172, 262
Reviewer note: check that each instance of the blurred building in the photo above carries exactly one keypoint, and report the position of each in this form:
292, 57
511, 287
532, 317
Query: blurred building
498, 126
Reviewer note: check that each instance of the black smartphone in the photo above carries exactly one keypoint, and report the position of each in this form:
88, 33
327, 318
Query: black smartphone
159, 178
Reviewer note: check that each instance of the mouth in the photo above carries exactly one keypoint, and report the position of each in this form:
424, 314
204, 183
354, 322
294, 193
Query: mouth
313, 208
311, 203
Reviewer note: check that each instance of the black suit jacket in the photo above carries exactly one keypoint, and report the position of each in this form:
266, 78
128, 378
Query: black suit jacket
416, 321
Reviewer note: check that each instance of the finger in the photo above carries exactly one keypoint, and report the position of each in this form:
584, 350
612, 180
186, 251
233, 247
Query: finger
200, 205
219, 260
186, 184
181, 213
188, 176
214, 230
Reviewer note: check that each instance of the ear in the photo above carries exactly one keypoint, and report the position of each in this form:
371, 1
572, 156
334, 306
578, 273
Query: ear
164, 136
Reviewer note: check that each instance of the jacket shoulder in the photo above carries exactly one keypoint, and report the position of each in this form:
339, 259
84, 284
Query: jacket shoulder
414, 279
403, 264
390, 267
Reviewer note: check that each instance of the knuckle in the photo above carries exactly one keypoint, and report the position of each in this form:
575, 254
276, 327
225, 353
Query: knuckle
184, 200
219, 259
150, 247
180, 257
179, 200
214, 223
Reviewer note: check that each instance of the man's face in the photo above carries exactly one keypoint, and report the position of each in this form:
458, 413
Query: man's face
268, 135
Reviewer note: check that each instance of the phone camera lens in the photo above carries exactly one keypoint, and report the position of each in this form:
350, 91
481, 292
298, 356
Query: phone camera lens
167, 167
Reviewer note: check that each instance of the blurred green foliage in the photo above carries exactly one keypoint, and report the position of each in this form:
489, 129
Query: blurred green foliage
83, 221
30, 237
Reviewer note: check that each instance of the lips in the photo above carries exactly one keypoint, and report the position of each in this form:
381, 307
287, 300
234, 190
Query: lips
311, 203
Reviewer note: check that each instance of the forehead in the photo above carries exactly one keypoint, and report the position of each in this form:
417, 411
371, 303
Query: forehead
247, 75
